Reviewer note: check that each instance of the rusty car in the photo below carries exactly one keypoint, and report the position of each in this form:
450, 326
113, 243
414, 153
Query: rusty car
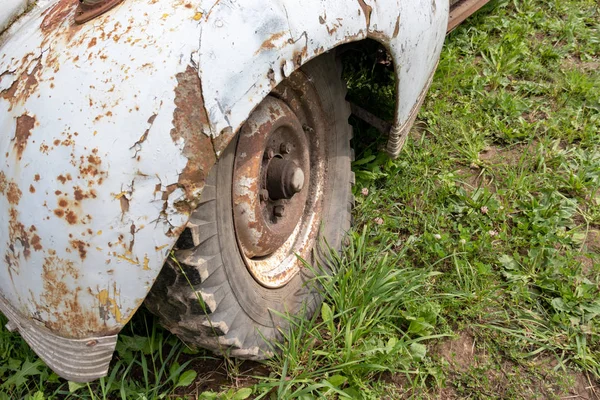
185, 154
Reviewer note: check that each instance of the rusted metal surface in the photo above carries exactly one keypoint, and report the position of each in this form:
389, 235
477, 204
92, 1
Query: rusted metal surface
461, 10
294, 222
260, 232
99, 166
278, 184
109, 129
90, 9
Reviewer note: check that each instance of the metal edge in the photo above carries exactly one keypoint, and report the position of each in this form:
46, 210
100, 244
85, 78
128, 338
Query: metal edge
463, 10
77, 360
399, 133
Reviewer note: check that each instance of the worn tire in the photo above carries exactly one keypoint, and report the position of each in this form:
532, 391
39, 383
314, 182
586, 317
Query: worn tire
208, 297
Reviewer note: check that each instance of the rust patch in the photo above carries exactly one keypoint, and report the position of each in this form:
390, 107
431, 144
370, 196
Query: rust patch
79, 194
190, 121
36, 242
3, 183
81, 247
19, 234
25, 124
132, 231
90, 168
31, 189
396, 28
57, 15
64, 178
367, 10
59, 304
70, 211
221, 141
23, 86
124, 202
269, 43
71, 217
13, 194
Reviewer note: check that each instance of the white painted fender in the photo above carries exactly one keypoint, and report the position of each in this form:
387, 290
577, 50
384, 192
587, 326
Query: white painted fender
108, 129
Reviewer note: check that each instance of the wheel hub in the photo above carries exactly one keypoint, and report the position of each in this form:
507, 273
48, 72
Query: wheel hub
274, 191
284, 179
268, 182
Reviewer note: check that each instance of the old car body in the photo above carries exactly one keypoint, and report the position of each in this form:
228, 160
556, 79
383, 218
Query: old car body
109, 128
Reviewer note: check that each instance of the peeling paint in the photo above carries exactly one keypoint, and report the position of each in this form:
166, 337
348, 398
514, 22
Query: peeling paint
25, 124
190, 125
109, 304
366, 10
270, 43
26, 84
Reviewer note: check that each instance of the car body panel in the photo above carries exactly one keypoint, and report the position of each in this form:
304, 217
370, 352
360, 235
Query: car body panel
109, 129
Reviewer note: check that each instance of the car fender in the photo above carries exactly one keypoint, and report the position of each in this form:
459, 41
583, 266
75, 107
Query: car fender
108, 130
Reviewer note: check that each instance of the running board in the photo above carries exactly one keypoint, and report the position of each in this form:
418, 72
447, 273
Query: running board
462, 10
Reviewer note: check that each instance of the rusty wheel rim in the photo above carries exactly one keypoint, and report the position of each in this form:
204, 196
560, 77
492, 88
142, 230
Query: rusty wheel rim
278, 180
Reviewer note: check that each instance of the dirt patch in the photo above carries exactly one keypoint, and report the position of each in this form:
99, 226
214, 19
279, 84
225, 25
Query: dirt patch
592, 241
571, 63
587, 264
471, 371
215, 376
480, 174
460, 353
474, 178
591, 252
508, 156
584, 388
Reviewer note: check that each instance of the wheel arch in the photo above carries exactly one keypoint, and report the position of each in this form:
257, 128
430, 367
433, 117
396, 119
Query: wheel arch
286, 35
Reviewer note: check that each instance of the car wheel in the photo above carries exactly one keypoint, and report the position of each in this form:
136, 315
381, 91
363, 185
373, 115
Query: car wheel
279, 196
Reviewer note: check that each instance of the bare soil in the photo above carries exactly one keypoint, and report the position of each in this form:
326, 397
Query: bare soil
502, 378
215, 376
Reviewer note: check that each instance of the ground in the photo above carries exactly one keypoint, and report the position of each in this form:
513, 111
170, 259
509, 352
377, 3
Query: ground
473, 270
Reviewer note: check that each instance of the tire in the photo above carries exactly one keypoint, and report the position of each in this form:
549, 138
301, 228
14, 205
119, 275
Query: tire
208, 297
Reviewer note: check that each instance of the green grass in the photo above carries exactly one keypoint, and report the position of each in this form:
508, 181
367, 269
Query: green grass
474, 267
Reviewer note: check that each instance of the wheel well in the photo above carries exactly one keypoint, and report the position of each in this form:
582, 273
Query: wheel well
369, 74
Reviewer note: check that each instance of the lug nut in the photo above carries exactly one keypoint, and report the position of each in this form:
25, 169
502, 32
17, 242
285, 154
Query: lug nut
278, 211
307, 129
269, 153
264, 195
285, 148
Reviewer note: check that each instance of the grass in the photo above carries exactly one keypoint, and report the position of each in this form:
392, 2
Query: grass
474, 267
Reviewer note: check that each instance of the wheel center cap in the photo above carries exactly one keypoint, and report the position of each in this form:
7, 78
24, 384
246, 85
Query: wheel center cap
284, 179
